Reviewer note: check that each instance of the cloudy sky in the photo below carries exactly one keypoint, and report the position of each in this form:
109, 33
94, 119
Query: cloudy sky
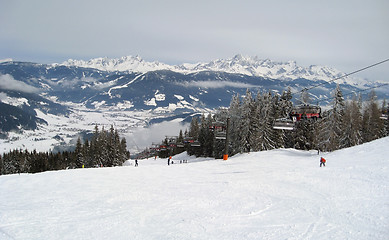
344, 34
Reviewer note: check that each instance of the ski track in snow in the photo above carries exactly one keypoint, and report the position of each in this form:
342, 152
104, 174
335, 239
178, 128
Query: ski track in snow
278, 194
125, 85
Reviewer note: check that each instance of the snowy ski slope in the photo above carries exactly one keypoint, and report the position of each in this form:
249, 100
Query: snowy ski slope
279, 194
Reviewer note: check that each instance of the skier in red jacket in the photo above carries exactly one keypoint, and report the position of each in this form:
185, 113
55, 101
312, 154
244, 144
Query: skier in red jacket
322, 162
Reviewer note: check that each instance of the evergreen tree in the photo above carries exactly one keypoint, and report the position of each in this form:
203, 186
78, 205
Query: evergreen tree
86, 149
372, 124
95, 148
245, 128
305, 135
234, 113
352, 123
79, 154
180, 138
333, 125
103, 142
194, 129
385, 117
256, 124
277, 111
206, 136
267, 116
123, 150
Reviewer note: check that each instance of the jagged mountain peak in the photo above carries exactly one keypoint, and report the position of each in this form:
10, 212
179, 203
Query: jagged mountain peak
123, 64
238, 64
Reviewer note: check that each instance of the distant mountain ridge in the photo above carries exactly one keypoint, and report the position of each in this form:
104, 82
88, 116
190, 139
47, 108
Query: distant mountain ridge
239, 64
48, 104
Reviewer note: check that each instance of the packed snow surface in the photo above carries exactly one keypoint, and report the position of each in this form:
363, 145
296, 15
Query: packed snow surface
278, 194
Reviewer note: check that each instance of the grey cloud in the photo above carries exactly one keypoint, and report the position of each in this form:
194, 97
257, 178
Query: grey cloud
7, 82
345, 35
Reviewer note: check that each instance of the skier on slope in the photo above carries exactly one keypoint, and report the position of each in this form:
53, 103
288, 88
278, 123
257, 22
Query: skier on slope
322, 162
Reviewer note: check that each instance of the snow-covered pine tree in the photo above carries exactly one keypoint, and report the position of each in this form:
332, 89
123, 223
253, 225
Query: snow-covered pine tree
206, 136
78, 154
209, 136
234, 113
104, 155
285, 103
277, 112
124, 153
180, 137
372, 124
116, 151
87, 154
256, 124
266, 119
245, 127
96, 148
305, 135
333, 127
385, 111
194, 128
352, 123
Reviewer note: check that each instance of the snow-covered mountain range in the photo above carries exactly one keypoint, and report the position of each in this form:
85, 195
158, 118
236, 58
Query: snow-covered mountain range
239, 64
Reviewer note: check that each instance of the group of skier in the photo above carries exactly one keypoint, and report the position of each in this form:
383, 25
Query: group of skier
169, 161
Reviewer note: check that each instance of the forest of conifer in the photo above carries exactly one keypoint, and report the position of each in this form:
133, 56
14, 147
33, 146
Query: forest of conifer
105, 149
344, 124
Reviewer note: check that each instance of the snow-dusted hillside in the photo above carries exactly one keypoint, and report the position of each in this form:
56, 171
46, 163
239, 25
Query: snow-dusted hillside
252, 66
278, 194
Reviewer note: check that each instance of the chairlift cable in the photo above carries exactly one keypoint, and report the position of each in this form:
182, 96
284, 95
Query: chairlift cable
355, 92
343, 76
314, 111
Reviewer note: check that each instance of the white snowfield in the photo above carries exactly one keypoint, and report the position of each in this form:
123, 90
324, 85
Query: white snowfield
279, 194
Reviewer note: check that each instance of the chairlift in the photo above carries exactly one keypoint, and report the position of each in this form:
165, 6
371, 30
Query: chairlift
195, 144
284, 124
298, 113
221, 136
219, 129
384, 114
306, 111
163, 147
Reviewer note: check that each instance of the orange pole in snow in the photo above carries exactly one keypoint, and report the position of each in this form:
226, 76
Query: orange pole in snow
225, 156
